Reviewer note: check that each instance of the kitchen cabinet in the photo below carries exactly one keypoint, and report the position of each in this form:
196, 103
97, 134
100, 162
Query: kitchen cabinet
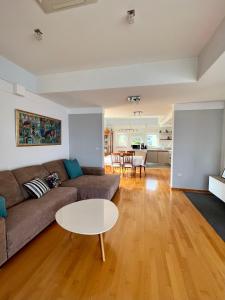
163, 157
158, 156
152, 156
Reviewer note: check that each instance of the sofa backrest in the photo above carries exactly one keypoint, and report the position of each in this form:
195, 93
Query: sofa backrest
26, 174
58, 167
10, 189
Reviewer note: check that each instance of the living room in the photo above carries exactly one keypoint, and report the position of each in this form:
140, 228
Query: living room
112, 181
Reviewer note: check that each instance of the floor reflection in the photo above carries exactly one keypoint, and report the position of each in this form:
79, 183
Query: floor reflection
151, 184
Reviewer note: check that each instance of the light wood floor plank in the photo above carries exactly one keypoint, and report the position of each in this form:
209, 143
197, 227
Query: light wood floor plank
160, 249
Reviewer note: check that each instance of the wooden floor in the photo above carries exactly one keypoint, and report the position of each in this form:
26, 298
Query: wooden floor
161, 248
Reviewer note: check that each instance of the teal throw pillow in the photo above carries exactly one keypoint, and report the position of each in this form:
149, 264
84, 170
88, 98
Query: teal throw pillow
3, 211
73, 168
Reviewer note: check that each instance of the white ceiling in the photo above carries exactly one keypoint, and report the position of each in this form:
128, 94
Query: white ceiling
98, 35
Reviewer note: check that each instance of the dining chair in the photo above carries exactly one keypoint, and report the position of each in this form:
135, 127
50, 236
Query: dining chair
128, 162
116, 161
144, 164
122, 152
131, 151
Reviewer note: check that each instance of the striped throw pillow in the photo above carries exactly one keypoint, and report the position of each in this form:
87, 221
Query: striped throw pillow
37, 187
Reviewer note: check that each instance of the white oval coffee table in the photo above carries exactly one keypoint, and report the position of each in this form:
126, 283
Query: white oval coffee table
89, 217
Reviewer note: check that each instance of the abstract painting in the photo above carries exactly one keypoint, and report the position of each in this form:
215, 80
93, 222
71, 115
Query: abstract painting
36, 130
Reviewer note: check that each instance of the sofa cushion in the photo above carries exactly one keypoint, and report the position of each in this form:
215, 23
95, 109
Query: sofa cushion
28, 218
26, 174
37, 188
73, 168
3, 210
53, 180
93, 171
10, 189
57, 166
91, 186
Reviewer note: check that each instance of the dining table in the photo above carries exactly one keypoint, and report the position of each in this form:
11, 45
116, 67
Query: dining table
137, 160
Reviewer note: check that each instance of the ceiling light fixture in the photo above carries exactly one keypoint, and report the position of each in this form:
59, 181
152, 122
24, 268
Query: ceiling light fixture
38, 34
130, 16
134, 99
50, 6
138, 113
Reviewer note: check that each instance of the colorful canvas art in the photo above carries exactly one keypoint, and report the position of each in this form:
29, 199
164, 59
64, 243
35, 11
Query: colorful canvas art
37, 130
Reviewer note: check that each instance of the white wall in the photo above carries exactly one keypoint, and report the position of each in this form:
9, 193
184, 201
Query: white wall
137, 133
12, 156
140, 127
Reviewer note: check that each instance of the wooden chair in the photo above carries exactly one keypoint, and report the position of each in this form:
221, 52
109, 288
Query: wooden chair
128, 162
144, 164
122, 152
116, 161
131, 152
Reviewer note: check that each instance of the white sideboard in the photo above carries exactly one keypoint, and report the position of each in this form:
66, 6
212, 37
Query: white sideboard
217, 186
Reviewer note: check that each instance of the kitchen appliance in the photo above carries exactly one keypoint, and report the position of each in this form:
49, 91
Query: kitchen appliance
136, 147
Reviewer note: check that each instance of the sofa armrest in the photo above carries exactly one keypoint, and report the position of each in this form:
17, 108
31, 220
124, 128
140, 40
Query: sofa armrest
93, 171
3, 252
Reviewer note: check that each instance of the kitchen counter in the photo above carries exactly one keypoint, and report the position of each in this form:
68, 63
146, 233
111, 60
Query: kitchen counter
159, 149
159, 156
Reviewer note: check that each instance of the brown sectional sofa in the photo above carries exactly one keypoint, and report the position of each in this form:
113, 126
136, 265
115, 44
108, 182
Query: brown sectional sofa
28, 217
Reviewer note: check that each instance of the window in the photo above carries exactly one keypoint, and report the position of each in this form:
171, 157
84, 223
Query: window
122, 140
152, 140
136, 140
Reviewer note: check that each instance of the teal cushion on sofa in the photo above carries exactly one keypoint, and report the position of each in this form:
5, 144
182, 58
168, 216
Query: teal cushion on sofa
73, 168
3, 210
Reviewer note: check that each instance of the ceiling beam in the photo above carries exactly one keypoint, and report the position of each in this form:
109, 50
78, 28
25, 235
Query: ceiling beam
85, 110
212, 51
149, 74
200, 105
13, 73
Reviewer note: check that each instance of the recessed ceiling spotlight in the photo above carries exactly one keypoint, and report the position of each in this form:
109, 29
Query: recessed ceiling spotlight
130, 16
38, 34
134, 99
138, 113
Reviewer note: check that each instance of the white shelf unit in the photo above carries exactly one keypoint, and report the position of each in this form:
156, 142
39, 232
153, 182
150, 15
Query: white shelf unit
165, 134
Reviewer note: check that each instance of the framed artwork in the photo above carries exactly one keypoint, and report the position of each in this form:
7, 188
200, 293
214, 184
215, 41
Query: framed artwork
36, 130
223, 174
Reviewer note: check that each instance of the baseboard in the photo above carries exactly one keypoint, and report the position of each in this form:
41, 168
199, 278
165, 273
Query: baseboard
190, 190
